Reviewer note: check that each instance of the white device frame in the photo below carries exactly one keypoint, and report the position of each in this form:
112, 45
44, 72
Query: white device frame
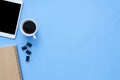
8, 35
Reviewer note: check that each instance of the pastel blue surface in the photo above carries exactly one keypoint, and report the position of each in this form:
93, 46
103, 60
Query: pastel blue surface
76, 40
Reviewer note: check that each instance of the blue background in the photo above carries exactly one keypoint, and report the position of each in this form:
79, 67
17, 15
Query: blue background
76, 40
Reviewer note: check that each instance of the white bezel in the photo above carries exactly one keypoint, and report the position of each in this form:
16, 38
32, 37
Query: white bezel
3, 34
15, 1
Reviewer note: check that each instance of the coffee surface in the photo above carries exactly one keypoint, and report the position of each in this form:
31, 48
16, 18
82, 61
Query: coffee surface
29, 27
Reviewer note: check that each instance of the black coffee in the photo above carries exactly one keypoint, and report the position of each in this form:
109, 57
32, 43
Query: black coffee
29, 27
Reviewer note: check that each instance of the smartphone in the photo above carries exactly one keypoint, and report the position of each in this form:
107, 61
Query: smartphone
9, 17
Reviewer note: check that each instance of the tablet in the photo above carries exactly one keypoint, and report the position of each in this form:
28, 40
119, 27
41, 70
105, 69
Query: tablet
9, 17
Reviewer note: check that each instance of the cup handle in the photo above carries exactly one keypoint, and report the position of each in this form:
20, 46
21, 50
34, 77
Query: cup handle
34, 37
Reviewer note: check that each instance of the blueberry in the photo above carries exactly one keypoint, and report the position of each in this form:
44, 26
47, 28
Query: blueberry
24, 48
29, 44
27, 58
28, 52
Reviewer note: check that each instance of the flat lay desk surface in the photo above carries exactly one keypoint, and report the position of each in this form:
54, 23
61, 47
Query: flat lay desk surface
76, 40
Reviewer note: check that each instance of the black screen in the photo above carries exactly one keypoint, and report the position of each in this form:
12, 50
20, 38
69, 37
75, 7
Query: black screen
9, 13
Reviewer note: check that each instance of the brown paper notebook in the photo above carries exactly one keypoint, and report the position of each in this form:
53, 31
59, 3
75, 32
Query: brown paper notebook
9, 64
